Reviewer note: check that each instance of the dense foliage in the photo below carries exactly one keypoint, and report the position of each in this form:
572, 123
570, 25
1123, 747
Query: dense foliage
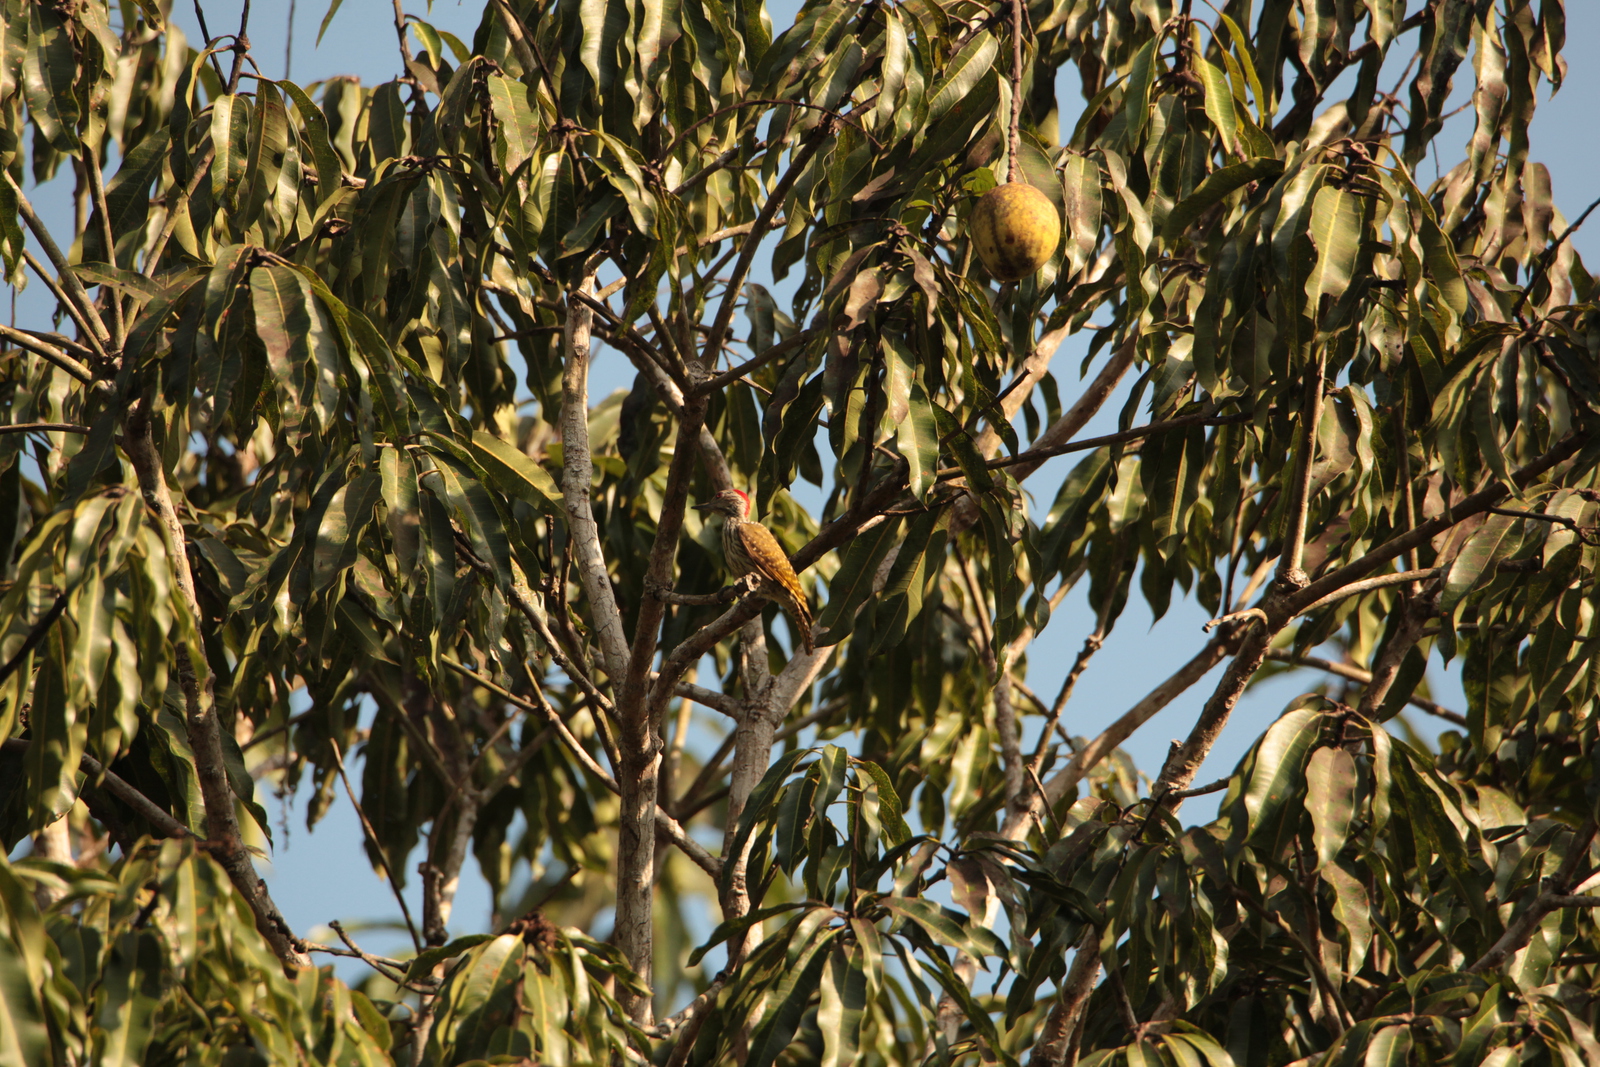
304, 481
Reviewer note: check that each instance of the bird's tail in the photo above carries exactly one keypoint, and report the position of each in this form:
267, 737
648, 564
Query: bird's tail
800, 612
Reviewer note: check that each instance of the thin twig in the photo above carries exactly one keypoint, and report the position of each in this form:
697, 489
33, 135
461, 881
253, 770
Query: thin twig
1545, 258
1014, 148
377, 847
159, 819
1199, 791
35, 635
1585, 533
1290, 570
202, 172
288, 44
1475, 504
1035, 455
1319, 971
241, 48
205, 32
782, 348
539, 705
42, 427
518, 760
522, 38
1521, 929
266, 735
97, 189
85, 320
1367, 585
49, 352
754, 101
1364, 677
747, 254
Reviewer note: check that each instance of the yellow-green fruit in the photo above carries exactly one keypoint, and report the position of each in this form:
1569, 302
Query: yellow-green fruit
1015, 229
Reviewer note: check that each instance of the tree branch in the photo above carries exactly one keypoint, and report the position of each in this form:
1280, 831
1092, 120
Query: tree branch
577, 477
1367, 585
710, 698
35, 635
1185, 759
1055, 1047
66, 301
159, 819
1075, 418
541, 706
42, 427
77, 301
1475, 504
202, 172
97, 189
782, 348
1522, 928
1087, 758
1356, 674
1416, 613
49, 352
1545, 258
195, 681
747, 254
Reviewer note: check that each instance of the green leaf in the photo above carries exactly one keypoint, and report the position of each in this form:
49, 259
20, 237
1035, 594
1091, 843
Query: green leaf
333, 9
230, 137
788, 1002
1330, 798
1477, 557
128, 199
1219, 98
962, 447
1082, 211
894, 823
1338, 219
915, 569
948, 927
729, 927
1389, 1047
326, 160
24, 1041
516, 472
1352, 910
428, 959
918, 441
130, 991
852, 582
958, 79
1279, 772
1214, 189
843, 1006
49, 66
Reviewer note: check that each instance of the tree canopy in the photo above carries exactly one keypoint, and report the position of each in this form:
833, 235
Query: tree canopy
304, 482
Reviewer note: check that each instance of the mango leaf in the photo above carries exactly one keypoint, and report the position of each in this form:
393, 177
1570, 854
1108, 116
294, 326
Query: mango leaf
516, 472
948, 927
1330, 799
1483, 549
1278, 773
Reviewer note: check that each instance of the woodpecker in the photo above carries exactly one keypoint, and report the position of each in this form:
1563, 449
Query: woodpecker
749, 548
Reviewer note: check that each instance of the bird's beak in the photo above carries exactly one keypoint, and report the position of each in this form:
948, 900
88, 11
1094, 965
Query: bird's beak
701, 507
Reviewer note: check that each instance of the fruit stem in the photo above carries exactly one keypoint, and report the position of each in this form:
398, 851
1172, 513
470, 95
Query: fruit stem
1014, 146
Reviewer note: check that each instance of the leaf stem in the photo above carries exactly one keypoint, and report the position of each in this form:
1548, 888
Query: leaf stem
377, 846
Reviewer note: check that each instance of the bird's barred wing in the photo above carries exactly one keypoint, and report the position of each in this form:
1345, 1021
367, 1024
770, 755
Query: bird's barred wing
767, 556
768, 559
